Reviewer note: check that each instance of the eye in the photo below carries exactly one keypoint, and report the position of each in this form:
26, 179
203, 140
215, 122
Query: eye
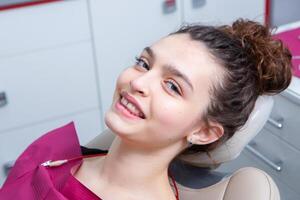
173, 86
142, 63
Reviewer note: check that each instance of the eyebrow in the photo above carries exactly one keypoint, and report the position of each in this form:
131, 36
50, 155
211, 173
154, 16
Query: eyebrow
171, 69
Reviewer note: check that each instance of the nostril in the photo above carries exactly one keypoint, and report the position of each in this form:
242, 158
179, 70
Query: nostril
138, 86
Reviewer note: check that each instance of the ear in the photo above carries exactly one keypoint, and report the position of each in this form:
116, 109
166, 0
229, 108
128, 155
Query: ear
206, 134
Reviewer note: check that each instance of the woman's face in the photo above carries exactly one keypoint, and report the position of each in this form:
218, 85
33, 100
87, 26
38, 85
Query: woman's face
170, 82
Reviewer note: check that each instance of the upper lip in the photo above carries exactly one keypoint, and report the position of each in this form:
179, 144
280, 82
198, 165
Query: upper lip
132, 100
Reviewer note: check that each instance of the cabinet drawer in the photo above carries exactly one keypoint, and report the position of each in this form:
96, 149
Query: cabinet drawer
47, 84
41, 26
286, 113
14, 142
221, 12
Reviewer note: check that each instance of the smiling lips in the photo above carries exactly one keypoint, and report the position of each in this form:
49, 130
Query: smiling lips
131, 105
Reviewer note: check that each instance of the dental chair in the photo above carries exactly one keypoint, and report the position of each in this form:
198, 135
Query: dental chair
195, 176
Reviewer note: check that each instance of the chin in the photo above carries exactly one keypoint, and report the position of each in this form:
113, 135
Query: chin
123, 129
115, 124
110, 121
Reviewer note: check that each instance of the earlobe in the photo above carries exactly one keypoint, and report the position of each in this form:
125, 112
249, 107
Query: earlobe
208, 134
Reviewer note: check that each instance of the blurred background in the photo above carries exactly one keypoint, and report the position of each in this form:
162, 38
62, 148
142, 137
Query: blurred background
59, 61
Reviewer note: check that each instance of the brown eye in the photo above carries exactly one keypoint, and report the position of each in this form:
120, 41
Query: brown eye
142, 63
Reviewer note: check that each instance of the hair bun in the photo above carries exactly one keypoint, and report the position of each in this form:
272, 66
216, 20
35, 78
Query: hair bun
271, 58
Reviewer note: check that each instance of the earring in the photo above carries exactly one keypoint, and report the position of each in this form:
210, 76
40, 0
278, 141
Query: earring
189, 143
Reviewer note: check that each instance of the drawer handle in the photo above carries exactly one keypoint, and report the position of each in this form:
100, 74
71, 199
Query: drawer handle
264, 158
198, 3
170, 2
275, 123
169, 6
3, 99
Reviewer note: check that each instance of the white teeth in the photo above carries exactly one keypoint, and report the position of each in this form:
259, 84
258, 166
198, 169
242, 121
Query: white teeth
131, 107
124, 101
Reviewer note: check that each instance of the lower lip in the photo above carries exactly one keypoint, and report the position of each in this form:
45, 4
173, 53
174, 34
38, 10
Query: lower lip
125, 112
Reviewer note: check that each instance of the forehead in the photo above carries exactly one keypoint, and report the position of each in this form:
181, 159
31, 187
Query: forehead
185, 53
180, 45
190, 57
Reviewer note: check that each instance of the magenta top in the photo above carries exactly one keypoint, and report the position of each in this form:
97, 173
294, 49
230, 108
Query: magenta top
28, 179
75, 190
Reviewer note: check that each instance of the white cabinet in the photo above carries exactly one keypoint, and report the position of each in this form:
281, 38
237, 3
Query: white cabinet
43, 26
281, 154
222, 12
47, 75
286, 113
121, 30
47, 84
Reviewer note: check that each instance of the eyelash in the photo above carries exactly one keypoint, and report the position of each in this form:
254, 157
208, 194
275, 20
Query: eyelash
175, 87
140, 62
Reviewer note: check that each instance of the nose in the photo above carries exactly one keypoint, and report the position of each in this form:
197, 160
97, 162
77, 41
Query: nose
140, 86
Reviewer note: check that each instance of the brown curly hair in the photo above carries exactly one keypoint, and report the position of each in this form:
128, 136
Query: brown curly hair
254, 64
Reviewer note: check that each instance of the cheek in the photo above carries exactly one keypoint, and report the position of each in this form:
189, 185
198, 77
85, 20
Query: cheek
173, 121
125, 77
172, 114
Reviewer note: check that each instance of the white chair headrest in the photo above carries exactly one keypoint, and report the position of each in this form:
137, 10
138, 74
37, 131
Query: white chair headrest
234, 146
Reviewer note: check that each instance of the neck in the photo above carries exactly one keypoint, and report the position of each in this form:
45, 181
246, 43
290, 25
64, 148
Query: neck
133, 169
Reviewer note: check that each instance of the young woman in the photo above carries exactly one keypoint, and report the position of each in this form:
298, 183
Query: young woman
188, 92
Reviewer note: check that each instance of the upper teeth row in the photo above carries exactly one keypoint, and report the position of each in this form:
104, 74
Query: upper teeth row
130, 107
